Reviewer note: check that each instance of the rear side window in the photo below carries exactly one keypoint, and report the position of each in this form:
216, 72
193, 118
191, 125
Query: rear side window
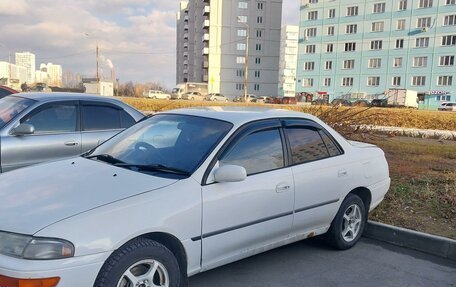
95, 118
258, 152
306, 145
333, 149
126, 120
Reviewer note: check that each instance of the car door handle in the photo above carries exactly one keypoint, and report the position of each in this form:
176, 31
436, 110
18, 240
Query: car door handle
71, 143
282, 187
342, 173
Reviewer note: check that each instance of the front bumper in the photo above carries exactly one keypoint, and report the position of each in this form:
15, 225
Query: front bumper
73, 272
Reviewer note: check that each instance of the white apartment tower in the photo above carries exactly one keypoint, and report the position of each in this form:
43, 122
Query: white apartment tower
50, 74
27, 60
212, 43
288, 60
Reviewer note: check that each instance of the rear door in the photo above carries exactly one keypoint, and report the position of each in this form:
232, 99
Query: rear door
56, 136
100, 121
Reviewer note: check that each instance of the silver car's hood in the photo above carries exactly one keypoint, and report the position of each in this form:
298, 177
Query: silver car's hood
35, 197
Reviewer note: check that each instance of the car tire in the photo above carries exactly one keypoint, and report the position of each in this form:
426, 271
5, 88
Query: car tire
348, 225
135, 259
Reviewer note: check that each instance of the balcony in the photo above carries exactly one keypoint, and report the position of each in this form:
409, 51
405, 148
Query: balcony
186, 27
205, 64
206, 1
206, 10
185, 62
186, 18
186, 36
206, 78
185, 45
185, 71
206, 51
185, 54
206, 37
206, 23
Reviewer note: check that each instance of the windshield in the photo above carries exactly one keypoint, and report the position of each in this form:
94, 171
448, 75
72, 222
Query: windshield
170, 142
10, 107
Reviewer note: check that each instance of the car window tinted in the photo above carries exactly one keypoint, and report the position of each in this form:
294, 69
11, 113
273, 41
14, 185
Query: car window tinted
100, 118
257, 152
10, 107
333, 149
126, 120
306, 145
58, 118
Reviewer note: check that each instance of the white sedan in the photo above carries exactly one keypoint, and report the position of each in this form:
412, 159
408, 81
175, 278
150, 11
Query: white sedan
183, 192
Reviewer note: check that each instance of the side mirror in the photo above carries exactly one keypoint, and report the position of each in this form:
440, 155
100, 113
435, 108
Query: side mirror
23, 129
230, 173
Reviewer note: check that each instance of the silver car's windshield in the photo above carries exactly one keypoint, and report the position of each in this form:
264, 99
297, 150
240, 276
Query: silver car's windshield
11, 106
164, 143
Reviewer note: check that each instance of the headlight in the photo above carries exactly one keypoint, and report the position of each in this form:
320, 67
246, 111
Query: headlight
34, 248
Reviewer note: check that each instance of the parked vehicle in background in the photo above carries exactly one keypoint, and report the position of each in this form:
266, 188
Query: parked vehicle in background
379, 103
402, 98
341, 102
154, 94
360, 103
38, 127
184, 88
5, 91
449, 106
261, 99
282, 100
216, 97
183, 192
319, 102
193, 96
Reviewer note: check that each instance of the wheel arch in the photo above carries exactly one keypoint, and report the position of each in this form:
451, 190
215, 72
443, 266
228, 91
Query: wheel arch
365, 194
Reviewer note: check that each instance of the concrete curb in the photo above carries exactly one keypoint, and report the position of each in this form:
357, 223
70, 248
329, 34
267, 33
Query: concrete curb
436, 245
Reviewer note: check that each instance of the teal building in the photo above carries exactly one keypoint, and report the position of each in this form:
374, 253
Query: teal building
361, 49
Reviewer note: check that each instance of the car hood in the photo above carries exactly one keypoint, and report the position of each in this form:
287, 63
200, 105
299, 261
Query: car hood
35, 197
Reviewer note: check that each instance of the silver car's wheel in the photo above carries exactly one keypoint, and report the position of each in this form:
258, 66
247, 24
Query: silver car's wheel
351, 224
145, 273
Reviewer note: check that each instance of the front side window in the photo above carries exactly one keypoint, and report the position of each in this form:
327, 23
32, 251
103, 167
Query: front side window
10, 107
258, 152
58, 118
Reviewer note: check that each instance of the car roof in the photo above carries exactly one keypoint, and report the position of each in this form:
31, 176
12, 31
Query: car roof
8, 89
240, 115
44, 97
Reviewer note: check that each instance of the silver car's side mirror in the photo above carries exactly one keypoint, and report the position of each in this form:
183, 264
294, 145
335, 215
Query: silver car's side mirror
23, 129
230, 173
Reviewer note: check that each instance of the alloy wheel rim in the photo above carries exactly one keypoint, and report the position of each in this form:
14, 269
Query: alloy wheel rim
351, 223
145, 273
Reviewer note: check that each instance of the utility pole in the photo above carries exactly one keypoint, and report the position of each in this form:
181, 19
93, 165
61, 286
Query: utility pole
97, 75
9, 69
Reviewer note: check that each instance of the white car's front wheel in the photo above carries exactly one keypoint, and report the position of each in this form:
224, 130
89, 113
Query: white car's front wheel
140, 263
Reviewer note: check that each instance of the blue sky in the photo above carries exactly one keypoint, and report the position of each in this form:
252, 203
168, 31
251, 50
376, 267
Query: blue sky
138, 36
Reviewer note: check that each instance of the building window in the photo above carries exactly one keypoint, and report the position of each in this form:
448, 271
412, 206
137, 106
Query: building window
375, 63
260, 19
449, 40
422, 42
399, 43
349, 64
445, 81
240, 60
449, 20
397, 63
327, 82
242, 33
350, 47
446, 61
240, 73
347, 82
443, 98
402, 5
257, 61
378, 26
328, 65
312, 15
425, 4
311, 32
351, 29
352, 11
396, 81
329, 48
258, 47
400, 24
424, 22
450, 2
257, 74
242, 19
308, 82
420, 62
418, 81
373, 81
240, 87
260, 5
330, 30
240, 46
309, 66
259, 33
310, 49
332, 13
376, 45
256, 87
379, 8
243, 5
313, 1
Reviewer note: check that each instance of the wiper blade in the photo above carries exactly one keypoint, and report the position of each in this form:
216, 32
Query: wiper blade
106, 158
155, 167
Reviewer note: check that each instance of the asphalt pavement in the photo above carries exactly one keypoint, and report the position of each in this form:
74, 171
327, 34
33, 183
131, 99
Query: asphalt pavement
311, 263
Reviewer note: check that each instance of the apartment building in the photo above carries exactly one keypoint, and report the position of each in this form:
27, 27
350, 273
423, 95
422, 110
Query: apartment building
363, 48
12, 75
288, 60
27, 60
212, 45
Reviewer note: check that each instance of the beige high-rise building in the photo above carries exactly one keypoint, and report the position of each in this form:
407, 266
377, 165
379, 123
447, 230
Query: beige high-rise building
49, 74
13, 75
211, 45
288, 61
27, 60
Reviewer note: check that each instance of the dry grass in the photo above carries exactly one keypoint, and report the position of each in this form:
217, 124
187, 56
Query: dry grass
336, 116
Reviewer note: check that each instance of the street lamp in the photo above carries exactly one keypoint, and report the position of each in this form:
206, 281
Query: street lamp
246, 80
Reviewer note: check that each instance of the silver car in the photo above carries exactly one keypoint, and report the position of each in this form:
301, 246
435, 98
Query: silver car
38, 127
